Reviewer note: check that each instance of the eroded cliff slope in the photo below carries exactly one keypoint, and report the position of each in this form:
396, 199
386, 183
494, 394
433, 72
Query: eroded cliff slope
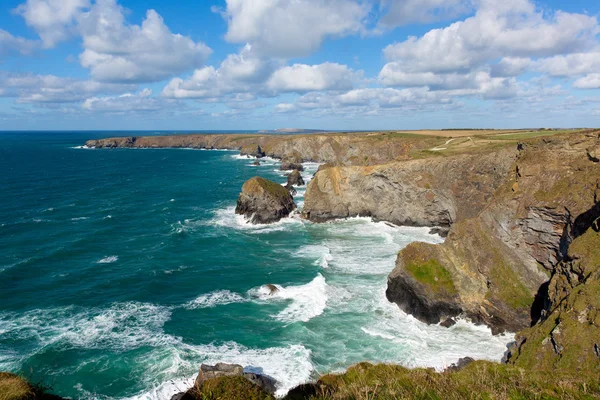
513, 213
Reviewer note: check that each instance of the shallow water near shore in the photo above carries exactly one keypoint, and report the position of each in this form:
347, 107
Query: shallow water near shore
122, 271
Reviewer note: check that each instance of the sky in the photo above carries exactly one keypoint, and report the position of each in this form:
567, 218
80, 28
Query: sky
320, 64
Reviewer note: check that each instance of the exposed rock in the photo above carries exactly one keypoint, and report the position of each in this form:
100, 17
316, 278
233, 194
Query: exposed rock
272, 289
566, 336
288, 166
295, 179
429, 192
208, 372
463, 362
253, 150
448, 322
498, 260
256, 163
263, 202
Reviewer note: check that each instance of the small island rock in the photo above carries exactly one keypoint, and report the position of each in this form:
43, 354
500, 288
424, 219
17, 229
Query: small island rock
264, 202
287, 165
253, 150
295, 179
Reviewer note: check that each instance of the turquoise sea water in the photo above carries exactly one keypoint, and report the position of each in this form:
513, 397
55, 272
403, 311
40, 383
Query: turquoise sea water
121, 271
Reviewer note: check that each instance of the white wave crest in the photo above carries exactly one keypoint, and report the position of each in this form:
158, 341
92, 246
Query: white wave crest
227, 218
108, 260
213, 299
308, 301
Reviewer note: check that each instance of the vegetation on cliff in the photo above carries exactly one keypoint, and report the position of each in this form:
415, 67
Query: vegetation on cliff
263, 201
14, 387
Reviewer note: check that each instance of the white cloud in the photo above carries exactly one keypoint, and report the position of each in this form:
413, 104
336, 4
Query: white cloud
305, 78
511, 66
284, 107
591, 81
10, 44
511, 28
571, 64
238, 73
53, 20
142, 101
292, 28
403, 12
30, 88
118, 52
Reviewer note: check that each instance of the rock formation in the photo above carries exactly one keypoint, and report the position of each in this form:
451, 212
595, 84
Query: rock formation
290, 166
295, 179
428, 192
492, 265
338, 148
253, 150
262, 201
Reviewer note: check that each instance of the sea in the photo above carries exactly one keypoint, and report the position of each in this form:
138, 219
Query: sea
123, 270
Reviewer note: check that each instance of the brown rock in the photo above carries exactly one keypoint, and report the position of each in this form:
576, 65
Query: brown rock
264, 202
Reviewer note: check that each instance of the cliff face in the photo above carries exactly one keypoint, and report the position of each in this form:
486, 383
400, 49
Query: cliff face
498, 259
513, 213
342, 149
423, 192
567, 337
263, 202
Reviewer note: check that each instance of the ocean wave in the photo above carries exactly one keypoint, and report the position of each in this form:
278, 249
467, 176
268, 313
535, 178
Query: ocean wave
421, 345
122, 326
79, 218
213, 299
227, 218
308, 301
290, 366
108, 260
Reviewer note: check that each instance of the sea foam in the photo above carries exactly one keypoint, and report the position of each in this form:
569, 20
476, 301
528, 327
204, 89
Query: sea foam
308, 301
213, 299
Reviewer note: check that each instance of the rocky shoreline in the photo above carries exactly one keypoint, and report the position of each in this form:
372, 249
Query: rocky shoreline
521, 217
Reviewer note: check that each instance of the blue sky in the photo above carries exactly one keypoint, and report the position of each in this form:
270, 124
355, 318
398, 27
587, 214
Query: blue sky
328, 64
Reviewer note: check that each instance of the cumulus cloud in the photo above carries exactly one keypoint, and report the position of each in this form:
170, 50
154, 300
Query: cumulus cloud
10, 44
511, 66
118, 52
591, 81
40, 89
284, 107
238, 73
403, 12
292, 28
302, 78
511, 28
142, 101
570, 64
53, 20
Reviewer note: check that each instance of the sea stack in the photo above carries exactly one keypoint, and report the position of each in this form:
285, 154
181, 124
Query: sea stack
295, 179
263, 202
253, 150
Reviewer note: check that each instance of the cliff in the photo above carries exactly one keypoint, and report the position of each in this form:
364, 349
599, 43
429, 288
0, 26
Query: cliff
336, 148
512, 210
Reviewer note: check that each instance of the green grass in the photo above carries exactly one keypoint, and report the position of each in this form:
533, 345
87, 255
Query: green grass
228, 388
529, 135
14, 387
479, 380
432, 274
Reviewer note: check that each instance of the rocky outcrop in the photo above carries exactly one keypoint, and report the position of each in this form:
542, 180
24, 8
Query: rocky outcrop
338, 148
253, 150
219, 370
295, 179
567, 336
497, 260
428, 192
262, 201
290, 166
